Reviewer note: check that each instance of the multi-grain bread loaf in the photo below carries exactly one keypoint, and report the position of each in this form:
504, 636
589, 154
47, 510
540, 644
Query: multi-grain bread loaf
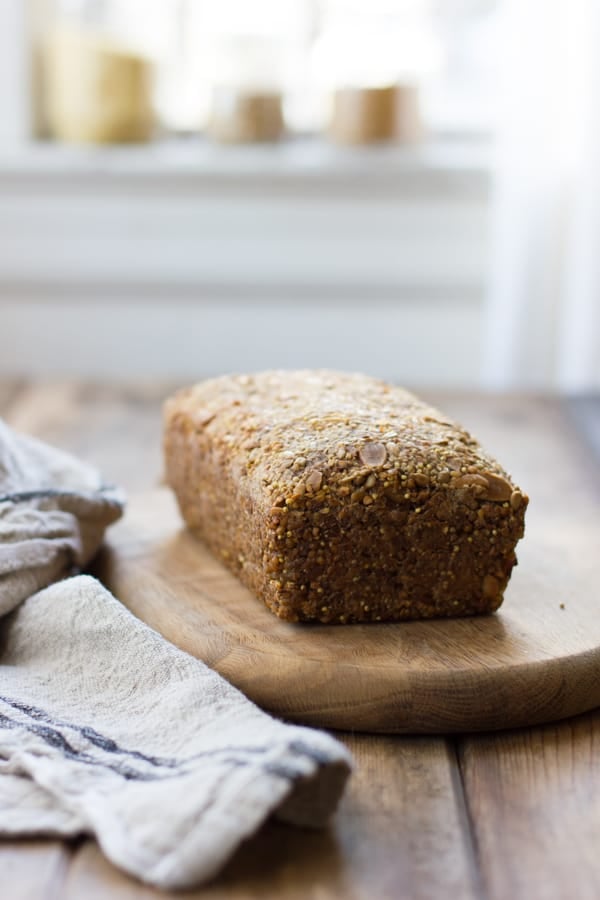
340, 498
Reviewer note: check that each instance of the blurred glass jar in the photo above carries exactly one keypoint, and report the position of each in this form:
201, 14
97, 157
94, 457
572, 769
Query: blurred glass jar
254, 55
96, 84
370, 59
181, 90
246, 102
366, 115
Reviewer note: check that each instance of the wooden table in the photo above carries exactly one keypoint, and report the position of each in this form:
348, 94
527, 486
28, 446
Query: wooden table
510, 815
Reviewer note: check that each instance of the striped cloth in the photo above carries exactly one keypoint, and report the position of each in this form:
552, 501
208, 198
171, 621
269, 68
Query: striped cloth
105, 727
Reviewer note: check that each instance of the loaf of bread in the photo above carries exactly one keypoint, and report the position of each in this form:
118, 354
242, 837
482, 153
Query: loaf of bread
339, 498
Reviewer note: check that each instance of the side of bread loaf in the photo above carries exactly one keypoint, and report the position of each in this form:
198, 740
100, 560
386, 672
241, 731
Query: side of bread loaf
340, 498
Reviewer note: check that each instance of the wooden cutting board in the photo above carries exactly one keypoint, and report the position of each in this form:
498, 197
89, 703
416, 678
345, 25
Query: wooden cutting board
536, 660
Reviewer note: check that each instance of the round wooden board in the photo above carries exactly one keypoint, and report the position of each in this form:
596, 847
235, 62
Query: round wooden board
536, 660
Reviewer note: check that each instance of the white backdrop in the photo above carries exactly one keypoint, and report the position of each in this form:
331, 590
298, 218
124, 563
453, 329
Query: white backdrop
388, 244
542, 316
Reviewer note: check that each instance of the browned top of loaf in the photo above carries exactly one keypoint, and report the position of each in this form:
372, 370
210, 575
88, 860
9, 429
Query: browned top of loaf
313, 431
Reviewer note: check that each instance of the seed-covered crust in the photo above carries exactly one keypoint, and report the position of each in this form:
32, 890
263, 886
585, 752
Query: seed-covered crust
340, 498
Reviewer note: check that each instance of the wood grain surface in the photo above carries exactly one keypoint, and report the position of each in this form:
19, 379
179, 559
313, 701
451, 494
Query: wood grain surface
508, 816
536, 660
534, 803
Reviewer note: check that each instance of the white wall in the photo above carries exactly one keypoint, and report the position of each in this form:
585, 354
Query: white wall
15, 83
116, 263
421, 342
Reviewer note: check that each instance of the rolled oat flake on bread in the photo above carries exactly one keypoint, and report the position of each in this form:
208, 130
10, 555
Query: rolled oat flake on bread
340, 498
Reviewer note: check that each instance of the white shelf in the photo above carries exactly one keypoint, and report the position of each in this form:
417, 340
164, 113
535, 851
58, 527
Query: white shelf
303, 158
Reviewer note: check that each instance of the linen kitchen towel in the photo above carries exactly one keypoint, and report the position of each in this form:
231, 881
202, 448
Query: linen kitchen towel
54, 510
108, 729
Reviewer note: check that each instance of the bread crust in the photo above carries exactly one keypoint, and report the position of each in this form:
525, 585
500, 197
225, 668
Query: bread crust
340, 498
